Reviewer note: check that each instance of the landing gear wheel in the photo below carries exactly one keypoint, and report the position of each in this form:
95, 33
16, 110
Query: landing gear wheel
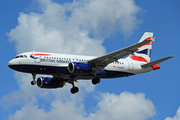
96, 81
33, 82
74, 90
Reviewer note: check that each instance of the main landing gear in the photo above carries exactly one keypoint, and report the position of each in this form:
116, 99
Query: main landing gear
96, 81
74, 89
34, 79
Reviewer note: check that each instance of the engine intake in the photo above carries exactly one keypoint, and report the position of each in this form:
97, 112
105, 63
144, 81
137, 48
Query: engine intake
50, 83
76, 67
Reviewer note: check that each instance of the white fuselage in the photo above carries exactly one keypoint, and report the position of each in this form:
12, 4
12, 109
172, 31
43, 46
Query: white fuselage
56, 65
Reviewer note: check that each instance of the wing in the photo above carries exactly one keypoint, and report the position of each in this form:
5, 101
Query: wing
101, 62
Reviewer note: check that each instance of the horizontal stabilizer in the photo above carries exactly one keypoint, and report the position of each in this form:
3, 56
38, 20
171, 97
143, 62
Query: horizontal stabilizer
156, 62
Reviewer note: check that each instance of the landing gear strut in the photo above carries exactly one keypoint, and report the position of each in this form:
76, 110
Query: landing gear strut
34, 79
74, 89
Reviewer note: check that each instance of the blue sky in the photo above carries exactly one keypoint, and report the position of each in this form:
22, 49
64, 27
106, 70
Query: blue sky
94, 29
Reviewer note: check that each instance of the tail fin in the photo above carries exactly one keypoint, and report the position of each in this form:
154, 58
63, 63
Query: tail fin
144, 52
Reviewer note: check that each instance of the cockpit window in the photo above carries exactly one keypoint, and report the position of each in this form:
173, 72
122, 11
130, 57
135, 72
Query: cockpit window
21, 56
17, 56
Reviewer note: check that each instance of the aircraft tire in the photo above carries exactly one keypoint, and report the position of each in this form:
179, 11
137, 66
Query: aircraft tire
96, 81
74, 90
33, 82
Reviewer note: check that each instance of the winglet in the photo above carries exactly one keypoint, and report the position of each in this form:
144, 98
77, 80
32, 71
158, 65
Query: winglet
154, 64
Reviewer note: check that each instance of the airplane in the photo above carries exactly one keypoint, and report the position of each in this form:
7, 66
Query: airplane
67, 68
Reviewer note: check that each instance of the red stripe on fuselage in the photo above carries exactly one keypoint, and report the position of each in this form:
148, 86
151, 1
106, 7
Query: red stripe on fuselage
138, 58
38, 54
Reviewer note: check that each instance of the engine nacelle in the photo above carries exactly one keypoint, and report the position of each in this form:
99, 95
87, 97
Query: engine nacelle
49, 83
78, 68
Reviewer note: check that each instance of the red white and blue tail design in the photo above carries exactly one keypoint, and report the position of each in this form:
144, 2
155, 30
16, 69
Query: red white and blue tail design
144, 52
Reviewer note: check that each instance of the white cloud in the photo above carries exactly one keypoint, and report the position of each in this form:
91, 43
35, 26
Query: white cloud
176, 117
32, 35
126, 106
66, 28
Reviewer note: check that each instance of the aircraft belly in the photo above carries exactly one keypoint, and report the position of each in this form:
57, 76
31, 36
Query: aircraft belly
63, 72
116, 74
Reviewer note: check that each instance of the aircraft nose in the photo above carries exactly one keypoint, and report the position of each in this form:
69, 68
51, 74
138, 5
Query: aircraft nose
14, 64
10, 64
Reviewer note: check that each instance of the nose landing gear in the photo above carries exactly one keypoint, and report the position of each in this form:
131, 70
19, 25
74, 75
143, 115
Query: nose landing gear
34, 79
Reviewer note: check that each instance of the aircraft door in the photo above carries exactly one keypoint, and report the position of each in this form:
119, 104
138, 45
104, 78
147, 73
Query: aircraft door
131, 65
37, 59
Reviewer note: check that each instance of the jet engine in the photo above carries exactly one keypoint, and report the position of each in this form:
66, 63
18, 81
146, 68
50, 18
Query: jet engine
78, 68
50, 83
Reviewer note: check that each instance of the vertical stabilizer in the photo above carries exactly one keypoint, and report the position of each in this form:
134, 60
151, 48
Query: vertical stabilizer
144, 52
